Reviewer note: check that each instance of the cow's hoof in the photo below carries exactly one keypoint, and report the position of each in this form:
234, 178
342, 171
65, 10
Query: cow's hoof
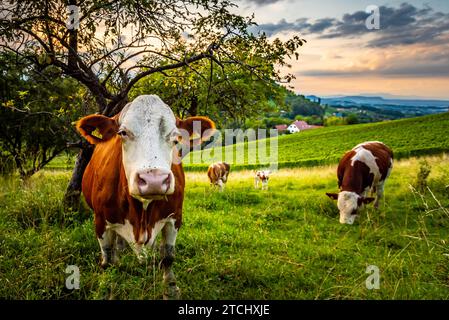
104, 264
172, 292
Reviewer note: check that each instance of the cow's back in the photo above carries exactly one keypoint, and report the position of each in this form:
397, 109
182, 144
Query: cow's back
217, 171
383, 157
366, 164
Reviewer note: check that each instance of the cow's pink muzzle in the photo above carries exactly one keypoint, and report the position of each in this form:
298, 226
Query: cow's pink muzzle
153, 182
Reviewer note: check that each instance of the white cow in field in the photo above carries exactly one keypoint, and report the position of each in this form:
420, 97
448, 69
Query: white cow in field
262, 176
362, 171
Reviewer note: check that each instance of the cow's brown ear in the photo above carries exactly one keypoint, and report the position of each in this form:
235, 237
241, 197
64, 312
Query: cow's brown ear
200, 129
333, 196
367, 200
97, 128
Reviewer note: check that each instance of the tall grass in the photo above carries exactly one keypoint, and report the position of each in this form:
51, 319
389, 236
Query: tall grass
283, 243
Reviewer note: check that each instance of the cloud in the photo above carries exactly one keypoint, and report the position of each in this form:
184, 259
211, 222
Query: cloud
263, 2
402, 63
320, 25
403, 25
283, 25
405, 71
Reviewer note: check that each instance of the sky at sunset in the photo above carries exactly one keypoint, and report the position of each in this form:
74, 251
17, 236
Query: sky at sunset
408, 56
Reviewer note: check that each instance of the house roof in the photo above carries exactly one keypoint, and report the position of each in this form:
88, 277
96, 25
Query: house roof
302, 125
281, 127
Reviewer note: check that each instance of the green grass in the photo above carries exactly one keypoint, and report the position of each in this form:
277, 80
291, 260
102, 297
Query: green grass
407, 137
284, 243
64, 161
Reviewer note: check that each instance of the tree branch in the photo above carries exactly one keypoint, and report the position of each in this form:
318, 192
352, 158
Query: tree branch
110, 110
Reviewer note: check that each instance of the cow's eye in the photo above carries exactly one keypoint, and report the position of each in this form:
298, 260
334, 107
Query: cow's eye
122, 133
175, 139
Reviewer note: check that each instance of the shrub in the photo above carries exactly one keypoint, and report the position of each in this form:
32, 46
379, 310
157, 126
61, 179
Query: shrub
423, 174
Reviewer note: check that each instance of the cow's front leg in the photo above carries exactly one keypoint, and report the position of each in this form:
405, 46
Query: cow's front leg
169, 233
220, 184
106, 242
264, 185
379, 195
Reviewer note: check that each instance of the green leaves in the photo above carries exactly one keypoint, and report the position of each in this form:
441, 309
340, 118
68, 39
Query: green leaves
36, 114
22, 94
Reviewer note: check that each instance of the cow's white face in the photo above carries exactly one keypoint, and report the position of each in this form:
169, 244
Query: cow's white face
147, 127
149, 132
348, 204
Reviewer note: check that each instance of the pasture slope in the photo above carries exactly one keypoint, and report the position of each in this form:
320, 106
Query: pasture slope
284, 243
407, 137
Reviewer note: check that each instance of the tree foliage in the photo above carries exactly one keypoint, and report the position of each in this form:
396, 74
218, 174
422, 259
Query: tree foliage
334, 121
118, 43
36, 111
229, 94
301, 106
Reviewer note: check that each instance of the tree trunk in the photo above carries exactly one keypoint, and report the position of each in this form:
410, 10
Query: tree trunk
73, 191
193, 110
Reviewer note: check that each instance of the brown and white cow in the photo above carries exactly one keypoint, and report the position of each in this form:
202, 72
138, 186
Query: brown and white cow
135, 182
362, 170
262, 176
218, 174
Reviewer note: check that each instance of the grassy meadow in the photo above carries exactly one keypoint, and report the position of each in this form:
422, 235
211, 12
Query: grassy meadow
407, 137
283, 243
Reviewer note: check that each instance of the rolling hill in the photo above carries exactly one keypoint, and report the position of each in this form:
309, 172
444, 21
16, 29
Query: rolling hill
408, 107
407, 137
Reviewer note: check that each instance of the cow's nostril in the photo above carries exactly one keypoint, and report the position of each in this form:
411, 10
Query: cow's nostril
141, 182
166, 183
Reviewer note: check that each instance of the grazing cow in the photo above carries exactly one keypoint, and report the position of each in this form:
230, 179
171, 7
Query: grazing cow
218, 174
263, 177
135, 182
363, 169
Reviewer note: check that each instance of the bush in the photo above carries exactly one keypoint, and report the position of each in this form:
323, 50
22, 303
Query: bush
7, 165
423, 174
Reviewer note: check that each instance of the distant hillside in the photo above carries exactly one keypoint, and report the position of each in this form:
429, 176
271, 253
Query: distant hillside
407, 137
406, 106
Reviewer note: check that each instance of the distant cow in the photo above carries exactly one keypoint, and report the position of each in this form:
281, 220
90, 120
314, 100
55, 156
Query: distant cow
133, 183
363, 169
218, 174
262, 176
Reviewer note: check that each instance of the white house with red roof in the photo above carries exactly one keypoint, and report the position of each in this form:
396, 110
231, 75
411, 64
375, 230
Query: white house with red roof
299, 126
